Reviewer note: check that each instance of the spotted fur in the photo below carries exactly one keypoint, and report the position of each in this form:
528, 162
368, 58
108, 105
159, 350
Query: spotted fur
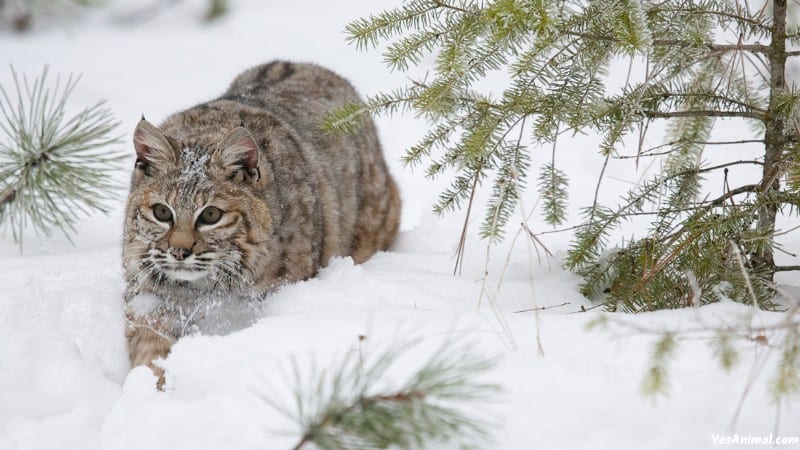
245, 193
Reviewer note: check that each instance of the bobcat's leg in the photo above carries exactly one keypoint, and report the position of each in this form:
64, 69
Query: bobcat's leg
150, 336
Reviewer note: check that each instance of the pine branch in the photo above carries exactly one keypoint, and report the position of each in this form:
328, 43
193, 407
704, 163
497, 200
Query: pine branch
353, 404
442, 4
655, 382
707, 97
754, 48
366, 33
651, 151
53, 168
783, 335
749, 188
705, 113
553, 189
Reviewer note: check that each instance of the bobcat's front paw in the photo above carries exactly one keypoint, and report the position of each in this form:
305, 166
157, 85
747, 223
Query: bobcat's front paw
149, 333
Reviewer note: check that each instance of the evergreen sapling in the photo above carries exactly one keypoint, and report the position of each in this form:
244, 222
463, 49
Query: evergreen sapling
54, 166
703, 61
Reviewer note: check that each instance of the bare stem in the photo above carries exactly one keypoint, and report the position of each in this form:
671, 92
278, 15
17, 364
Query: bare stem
462, 240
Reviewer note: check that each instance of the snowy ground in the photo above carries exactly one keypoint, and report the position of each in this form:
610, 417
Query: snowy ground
64, 377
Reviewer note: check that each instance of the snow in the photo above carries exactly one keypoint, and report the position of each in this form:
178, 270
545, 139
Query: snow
64, 377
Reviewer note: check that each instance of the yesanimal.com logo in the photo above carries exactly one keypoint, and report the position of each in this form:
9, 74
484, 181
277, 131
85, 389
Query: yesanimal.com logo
754, 439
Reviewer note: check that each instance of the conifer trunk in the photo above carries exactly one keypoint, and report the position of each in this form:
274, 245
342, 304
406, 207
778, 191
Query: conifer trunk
774, 137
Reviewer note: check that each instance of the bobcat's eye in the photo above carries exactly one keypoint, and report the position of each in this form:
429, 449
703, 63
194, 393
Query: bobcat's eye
162, 212
209, 216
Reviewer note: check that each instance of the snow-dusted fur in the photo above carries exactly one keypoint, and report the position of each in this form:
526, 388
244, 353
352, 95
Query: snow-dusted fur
239, 195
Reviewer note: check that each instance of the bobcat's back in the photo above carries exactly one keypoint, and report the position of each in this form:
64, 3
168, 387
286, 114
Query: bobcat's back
302, 95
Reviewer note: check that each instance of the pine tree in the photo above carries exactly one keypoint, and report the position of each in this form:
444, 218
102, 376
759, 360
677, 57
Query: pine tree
54, 167
704, 60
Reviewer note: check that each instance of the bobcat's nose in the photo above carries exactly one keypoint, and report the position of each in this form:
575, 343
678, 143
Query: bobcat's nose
179, 253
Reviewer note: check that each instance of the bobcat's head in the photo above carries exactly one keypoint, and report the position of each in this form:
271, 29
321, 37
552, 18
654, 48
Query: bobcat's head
192, 214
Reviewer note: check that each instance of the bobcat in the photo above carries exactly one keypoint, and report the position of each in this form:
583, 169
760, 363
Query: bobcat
237, 196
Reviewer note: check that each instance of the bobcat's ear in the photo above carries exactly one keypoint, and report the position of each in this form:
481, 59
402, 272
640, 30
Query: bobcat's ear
238, 154
152, 147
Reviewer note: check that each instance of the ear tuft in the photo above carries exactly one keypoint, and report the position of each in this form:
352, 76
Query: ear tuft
151, 146
238, 150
